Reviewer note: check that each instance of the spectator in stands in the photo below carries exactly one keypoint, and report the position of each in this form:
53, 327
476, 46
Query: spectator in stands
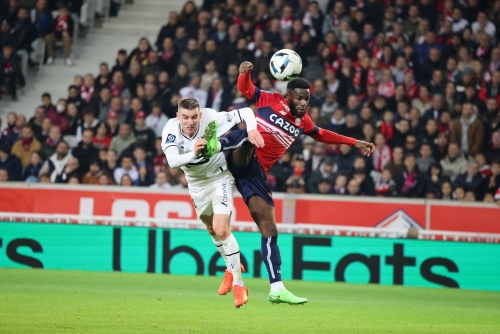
127, 168
118, 87
455, 163
494, 152
25, 30
15, 132
42, 18
49, 144
62, 30
55, 164
471, 180
85, 152
425, 159
345, 159
122, 141
386, 186
25, 146
191, 56
382, 154
4, 175
156, 120
325, 171
11, 73
89, 122
36, 121
144, 134
410, 183
351, 127
102, 138
140, 54
161, 181
94, 173
124, 113
126, 181
58, 115
71, 169
468, 130
10, 163
31, 172
193, 89
218, 97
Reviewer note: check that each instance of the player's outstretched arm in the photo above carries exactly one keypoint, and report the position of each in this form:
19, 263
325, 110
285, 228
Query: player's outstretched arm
330, 137
246, 115
177, 160
245, 84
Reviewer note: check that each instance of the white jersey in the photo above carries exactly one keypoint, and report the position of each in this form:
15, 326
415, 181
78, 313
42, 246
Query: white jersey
179, 148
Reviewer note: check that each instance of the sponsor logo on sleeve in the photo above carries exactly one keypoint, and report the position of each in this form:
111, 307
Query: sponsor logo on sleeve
170, 138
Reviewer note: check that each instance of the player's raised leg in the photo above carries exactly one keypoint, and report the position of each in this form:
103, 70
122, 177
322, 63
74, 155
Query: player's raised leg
263, 214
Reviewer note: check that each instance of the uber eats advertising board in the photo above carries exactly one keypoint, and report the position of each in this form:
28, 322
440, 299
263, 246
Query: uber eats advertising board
191, 252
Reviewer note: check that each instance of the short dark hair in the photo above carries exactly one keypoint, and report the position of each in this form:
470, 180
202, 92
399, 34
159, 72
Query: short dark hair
189, 103
46, 95
122, 52
88, 111
300, 83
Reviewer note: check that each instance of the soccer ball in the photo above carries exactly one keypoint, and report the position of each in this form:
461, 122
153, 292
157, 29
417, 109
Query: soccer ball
285, 65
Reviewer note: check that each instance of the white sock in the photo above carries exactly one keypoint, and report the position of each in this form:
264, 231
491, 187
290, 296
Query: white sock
220, 248
276, 286
232, 251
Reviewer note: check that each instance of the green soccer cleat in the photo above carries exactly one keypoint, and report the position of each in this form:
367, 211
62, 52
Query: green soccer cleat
211, 137
284, 296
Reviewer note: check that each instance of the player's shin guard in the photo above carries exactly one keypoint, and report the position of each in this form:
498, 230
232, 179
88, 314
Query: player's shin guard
232, 251
220, 249
233, 140
271, 257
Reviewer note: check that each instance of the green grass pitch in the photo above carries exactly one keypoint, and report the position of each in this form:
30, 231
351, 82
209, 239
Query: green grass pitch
49, 301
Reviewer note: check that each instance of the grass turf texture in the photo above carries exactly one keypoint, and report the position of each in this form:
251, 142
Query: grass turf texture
42, 301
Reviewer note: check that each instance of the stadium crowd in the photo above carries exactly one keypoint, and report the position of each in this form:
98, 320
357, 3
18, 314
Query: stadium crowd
420, 79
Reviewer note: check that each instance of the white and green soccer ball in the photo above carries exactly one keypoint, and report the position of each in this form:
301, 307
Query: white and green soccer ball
285, 65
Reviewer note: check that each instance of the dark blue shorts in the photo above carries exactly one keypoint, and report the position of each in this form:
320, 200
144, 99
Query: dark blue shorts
250, 179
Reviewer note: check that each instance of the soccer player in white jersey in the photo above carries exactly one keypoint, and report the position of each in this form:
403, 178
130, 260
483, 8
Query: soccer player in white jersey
210, 183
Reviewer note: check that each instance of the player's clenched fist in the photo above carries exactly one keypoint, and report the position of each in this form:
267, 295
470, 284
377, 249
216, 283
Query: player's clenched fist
256, 138
199, 147
246, 67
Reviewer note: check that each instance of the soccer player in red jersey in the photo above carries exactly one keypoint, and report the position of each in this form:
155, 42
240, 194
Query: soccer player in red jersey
280, 120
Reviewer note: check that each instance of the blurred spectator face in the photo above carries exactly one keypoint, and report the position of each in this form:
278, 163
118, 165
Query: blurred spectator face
341, 181
20, 121
136, 105
450, 90
232, 70
403, 109
105, 95
386, 175
103, 180
103, 70
87, 137
353, 187
27, 133
46, 124
379, 140
126, 181
41, 5
495, 168
319, 149
345, 149
324, 187
482, 19
173, 18
397, 155
359, 163
425, 151
139, 155
319, 86
180, 33
78, 81
401, 63
163, 78
168, 44
488, 198
161, 178
437, 76
467, 110
139, 122
472, 169
116, 104
352, 102
150, 91
63, 12
411, 142
112, 122
39, 114
127, 163
135, 69
351, 121
111, 156
495, 78
210, 66
152, 57
388, 116
192, 45
410, 163
470, 197
55, 133
495, 54
457, 14
35, 158
124, 130
404, 126
423, 92
265, 84
442, 140
143, 45
480, 160
434, 55
495, 139
453, 150
118, 76
366, 114
451, 65
368, 130
4, 176
431, 126
338, 114
339, 8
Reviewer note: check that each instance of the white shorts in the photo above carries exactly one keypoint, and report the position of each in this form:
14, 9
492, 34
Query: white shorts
215, 197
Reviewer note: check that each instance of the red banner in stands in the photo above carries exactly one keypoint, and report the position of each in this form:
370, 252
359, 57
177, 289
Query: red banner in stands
308, 209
